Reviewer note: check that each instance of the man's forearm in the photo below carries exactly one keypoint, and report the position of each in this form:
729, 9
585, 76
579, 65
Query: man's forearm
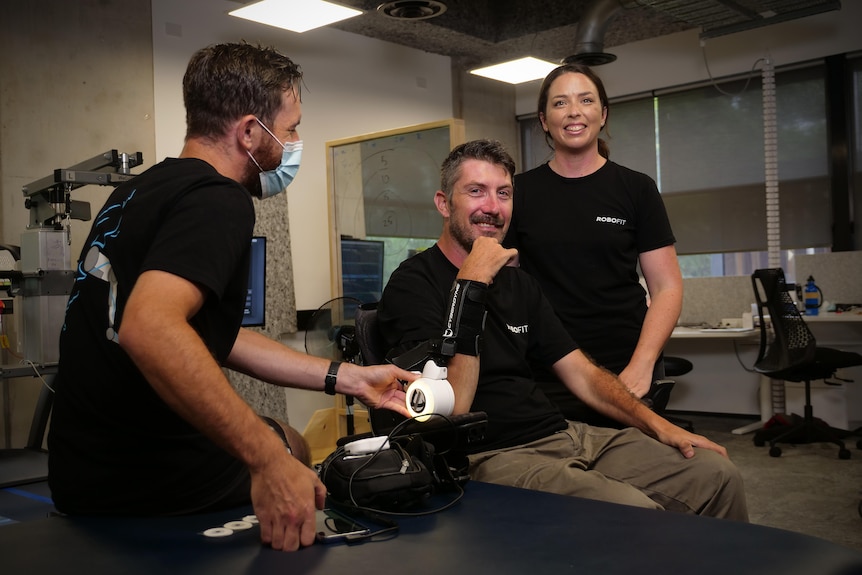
263, 358
661, 317
604, 392
463, 375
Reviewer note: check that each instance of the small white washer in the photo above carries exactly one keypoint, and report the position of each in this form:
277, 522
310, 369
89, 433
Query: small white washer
237, 525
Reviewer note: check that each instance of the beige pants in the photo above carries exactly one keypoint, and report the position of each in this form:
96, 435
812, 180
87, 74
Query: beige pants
621, 466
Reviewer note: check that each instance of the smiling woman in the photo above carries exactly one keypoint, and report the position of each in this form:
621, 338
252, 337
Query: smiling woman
583, 226
719, 215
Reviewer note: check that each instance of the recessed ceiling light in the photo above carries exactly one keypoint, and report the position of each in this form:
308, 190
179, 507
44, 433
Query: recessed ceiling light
517, 71
295, 15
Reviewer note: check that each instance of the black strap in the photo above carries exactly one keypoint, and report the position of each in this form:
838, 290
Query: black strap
464, 321
331, 377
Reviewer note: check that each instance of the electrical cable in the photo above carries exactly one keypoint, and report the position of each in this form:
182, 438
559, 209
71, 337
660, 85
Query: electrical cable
715, 83
39, 375
391, 436
739, 359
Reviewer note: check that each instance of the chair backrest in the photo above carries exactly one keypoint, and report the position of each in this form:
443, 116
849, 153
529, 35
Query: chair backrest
368, 336
786, 341
372, 351
676, 366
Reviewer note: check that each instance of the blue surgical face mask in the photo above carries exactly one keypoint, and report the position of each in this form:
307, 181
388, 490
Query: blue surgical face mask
273, 182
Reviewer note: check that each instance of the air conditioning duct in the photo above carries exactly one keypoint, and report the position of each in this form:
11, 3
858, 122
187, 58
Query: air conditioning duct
590, 36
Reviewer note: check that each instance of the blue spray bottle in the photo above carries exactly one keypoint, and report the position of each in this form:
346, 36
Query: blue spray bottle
813, 297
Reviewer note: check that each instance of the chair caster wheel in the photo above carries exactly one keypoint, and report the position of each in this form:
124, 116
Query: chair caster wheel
774, 451
758, 442
843, 453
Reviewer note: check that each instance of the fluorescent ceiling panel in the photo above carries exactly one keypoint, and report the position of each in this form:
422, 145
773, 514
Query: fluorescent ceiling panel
517, 71
295, 15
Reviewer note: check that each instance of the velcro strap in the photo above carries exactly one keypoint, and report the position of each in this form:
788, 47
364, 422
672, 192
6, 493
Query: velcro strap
465, 316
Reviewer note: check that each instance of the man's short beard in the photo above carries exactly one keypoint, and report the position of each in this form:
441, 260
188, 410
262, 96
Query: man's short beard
461, 238
251, 180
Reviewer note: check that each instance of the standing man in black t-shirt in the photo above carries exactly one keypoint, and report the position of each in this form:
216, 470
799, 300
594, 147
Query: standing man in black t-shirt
461, 294
145, 421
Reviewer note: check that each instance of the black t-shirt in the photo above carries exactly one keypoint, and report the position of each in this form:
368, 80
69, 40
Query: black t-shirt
115, 446
581, 238
520, 327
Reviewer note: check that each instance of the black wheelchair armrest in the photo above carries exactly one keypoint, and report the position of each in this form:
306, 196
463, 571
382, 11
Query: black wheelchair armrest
659, 394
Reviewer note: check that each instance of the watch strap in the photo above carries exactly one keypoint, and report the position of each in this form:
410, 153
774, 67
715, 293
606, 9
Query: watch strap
331, 376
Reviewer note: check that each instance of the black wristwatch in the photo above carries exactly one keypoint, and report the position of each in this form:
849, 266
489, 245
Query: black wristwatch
331, 375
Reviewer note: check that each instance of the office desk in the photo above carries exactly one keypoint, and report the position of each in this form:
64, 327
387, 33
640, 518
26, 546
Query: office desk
493, 528
718, 333
721, 381
831, 316
718, 382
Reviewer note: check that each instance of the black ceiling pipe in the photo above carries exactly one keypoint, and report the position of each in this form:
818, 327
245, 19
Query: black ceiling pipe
590, 36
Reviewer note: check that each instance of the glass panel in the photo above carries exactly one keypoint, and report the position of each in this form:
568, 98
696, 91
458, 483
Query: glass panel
396, 250
712, 164
708, 140
740, 263
382, 185
630, 134
535, 151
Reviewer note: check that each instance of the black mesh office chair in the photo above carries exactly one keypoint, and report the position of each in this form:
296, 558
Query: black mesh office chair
788, 351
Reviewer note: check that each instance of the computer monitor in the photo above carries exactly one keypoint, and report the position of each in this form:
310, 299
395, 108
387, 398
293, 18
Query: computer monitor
361, 269
255, 299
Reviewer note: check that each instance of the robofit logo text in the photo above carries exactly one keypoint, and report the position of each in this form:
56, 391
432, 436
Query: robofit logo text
518, 328
610, 220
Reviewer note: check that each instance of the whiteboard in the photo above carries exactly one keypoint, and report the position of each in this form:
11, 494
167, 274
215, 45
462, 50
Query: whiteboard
383, 184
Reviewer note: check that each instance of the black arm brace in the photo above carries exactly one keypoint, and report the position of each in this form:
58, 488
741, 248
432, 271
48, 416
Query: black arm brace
464, 322
465, 316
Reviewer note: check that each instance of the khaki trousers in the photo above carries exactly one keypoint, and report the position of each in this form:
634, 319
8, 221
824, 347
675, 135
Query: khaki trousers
620, 466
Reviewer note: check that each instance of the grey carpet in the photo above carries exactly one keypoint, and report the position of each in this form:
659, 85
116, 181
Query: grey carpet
807, 490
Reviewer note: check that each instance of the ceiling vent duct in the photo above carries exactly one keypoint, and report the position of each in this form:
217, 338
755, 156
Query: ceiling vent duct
590, 37
412, 9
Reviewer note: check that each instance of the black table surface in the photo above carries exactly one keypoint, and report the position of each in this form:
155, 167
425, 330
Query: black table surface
493, 528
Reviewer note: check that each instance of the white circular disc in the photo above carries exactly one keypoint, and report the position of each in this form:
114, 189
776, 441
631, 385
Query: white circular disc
218, 532
237, 525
